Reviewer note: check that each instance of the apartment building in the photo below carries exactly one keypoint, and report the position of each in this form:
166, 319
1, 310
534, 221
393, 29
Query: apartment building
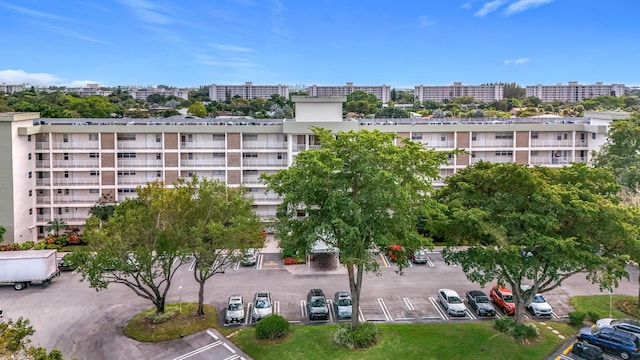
382, 92
60, 168
484, 93
10, 89
247, 91
573, 92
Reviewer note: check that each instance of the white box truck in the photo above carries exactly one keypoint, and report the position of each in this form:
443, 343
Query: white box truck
22, 268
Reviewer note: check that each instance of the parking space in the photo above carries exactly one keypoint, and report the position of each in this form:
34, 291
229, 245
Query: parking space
566, 354
269, 261
205, 345
373, 309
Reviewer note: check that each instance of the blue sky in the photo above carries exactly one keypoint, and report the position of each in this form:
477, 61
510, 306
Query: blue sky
190, 43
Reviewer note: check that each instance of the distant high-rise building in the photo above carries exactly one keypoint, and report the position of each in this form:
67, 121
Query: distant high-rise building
10, 89
382, 92
573, 92
484, 93
247, 91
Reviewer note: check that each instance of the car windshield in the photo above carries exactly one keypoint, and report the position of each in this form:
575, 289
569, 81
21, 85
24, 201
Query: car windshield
482, 300
625, 321
344, 302
539, 299
454, 300
262, 304
421, 253
507, 298
235, 306
317, 302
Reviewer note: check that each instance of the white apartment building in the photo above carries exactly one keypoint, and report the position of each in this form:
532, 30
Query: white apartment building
382, 92
247, 91
143, 94
60, 168
573, 92
484, 93
10, 89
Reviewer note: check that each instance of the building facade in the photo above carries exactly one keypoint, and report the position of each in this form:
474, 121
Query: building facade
60, 168
382, 92
573, 92
247, 91
484, 93
10, 89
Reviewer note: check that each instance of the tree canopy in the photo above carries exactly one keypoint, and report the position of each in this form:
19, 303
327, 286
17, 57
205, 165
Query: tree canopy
359, 192
534, 226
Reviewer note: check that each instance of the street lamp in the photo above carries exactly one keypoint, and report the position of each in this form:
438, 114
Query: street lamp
610, 301
180, 300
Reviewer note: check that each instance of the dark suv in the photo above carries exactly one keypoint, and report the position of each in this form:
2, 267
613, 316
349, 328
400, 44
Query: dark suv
612, 340
317, 305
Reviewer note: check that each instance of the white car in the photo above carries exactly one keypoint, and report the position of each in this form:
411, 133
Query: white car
235, 310
452, 302
262, 306
539, 306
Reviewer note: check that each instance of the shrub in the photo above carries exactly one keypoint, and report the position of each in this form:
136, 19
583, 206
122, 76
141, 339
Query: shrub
159, 318
26, 245
290, 261
364, 336
9, 247
576, 318
593, 316
524, 331
504, 324
272, 327
40, 245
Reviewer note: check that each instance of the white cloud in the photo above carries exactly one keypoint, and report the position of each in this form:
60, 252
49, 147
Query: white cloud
425, 21
149, 11
32, 13
467, 5
489, 7
278, 21
16, 77
227, 47
520, 61
522, 5
70, 33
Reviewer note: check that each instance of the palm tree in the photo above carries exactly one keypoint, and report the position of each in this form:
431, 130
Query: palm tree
56, 225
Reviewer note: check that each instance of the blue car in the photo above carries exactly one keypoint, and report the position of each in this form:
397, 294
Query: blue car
619, 342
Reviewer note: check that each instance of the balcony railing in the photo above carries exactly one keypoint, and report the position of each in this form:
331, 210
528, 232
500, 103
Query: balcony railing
492, 143
202, 163
439, 144
140, 163
42, 145
139, 145
43, 182
263, 163
42, 164
549, 160
43, 200
75, 163
76, 181
76, 145
75, 199
263, 145
202, 145
135, 181
492, 159
537, 143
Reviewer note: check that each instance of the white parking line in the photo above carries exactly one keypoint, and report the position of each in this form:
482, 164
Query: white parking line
410, 263
212, 334
385, 262
192, 265
430, 263
247, 316
435, 304
303, 309
360, 316
385, 310
330, 305
554, 315
276, 307
229, 348
232, 357
259, 259
236, 266
408, 303
198, 350
471, 314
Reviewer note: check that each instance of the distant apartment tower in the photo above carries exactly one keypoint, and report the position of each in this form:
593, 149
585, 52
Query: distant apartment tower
10, 89
247, 91
484, 93
143, 94
573, 92
382, 92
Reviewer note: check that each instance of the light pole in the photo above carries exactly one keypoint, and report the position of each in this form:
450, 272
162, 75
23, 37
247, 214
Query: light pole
180, 300
610, 301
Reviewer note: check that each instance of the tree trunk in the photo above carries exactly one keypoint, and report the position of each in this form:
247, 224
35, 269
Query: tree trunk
201, 282
159, 305
355, 284
638, 290
519, 314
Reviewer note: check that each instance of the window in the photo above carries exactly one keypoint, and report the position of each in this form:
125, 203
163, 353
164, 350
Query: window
504, 135
158, 156
190, 174
250, 155
66, 174
126, 137
583, 136
30, 174
249, 137
443, 137
559, 136
416, 136
218, 172
30, 211
534, 135
65, 156
504, 153
93, 137
94, 155
473, 136
120, 191
565, 136
40, 192
126, 172
29, 156
219, 137
94, 191
279, 156
473, 154
593, 136
30, 193
190, 156
29, 138
281, 137
158, 138
94, 173
218, 155
159, 173
534, 153
126, 155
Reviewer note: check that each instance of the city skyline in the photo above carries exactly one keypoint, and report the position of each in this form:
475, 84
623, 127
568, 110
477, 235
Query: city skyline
198, 43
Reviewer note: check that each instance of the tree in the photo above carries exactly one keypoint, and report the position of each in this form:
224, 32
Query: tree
2, 231
362, 103
359, 193
140, 246
537, 225
56, 225
392, 113
513, 90
14, 342
198, 110
221, 225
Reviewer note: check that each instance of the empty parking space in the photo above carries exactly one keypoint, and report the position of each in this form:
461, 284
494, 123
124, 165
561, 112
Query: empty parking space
372, 309
410, 309
268, 261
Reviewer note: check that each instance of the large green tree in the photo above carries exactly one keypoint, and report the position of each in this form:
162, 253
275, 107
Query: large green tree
535, 226
362, 103
221, 225
56, 225
14, 342
141, 245
197, 109
360, 192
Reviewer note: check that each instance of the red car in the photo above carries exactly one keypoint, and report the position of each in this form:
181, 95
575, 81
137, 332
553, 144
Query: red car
503, 298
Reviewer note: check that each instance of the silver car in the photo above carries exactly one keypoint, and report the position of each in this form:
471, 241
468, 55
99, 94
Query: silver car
262, 305
419, 257
235, 310
342, 305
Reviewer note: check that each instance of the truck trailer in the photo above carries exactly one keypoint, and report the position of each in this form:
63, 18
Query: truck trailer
22, 268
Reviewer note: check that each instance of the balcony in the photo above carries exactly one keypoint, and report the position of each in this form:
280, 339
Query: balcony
42, 145
139, 145
94, 180
263, 145
537, 143
42, 164
202, 145
43, 182
548, 160
202, 163
492, 143
136, 181
75, 199
43, 200
263, 163
74, 163
492, 159
140, 163
76, 145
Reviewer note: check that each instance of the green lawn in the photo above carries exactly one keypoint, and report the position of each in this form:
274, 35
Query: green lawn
599, 304
468, 340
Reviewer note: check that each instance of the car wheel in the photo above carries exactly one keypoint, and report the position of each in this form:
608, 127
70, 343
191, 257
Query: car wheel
478, 311
18, 286
624, 355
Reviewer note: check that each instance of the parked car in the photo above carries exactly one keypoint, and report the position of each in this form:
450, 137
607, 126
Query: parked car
587, 351
262, 306
452, 302
235, 310
612, 340
65, 264
480, 303
539, 306
630, 325
419, 257
317, 305
503, 298
342, 305
249, 257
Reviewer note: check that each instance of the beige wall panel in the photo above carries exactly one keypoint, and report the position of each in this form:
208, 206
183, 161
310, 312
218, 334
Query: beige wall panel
107, 141
233, 177
463, 140
171, 141
233, 159
522, 139
522, 157
107, 160
170, 176
170, 159
233, 141
463, 159
108, 177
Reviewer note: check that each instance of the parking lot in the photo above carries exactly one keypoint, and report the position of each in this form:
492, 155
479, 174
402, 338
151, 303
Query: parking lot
89, 324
